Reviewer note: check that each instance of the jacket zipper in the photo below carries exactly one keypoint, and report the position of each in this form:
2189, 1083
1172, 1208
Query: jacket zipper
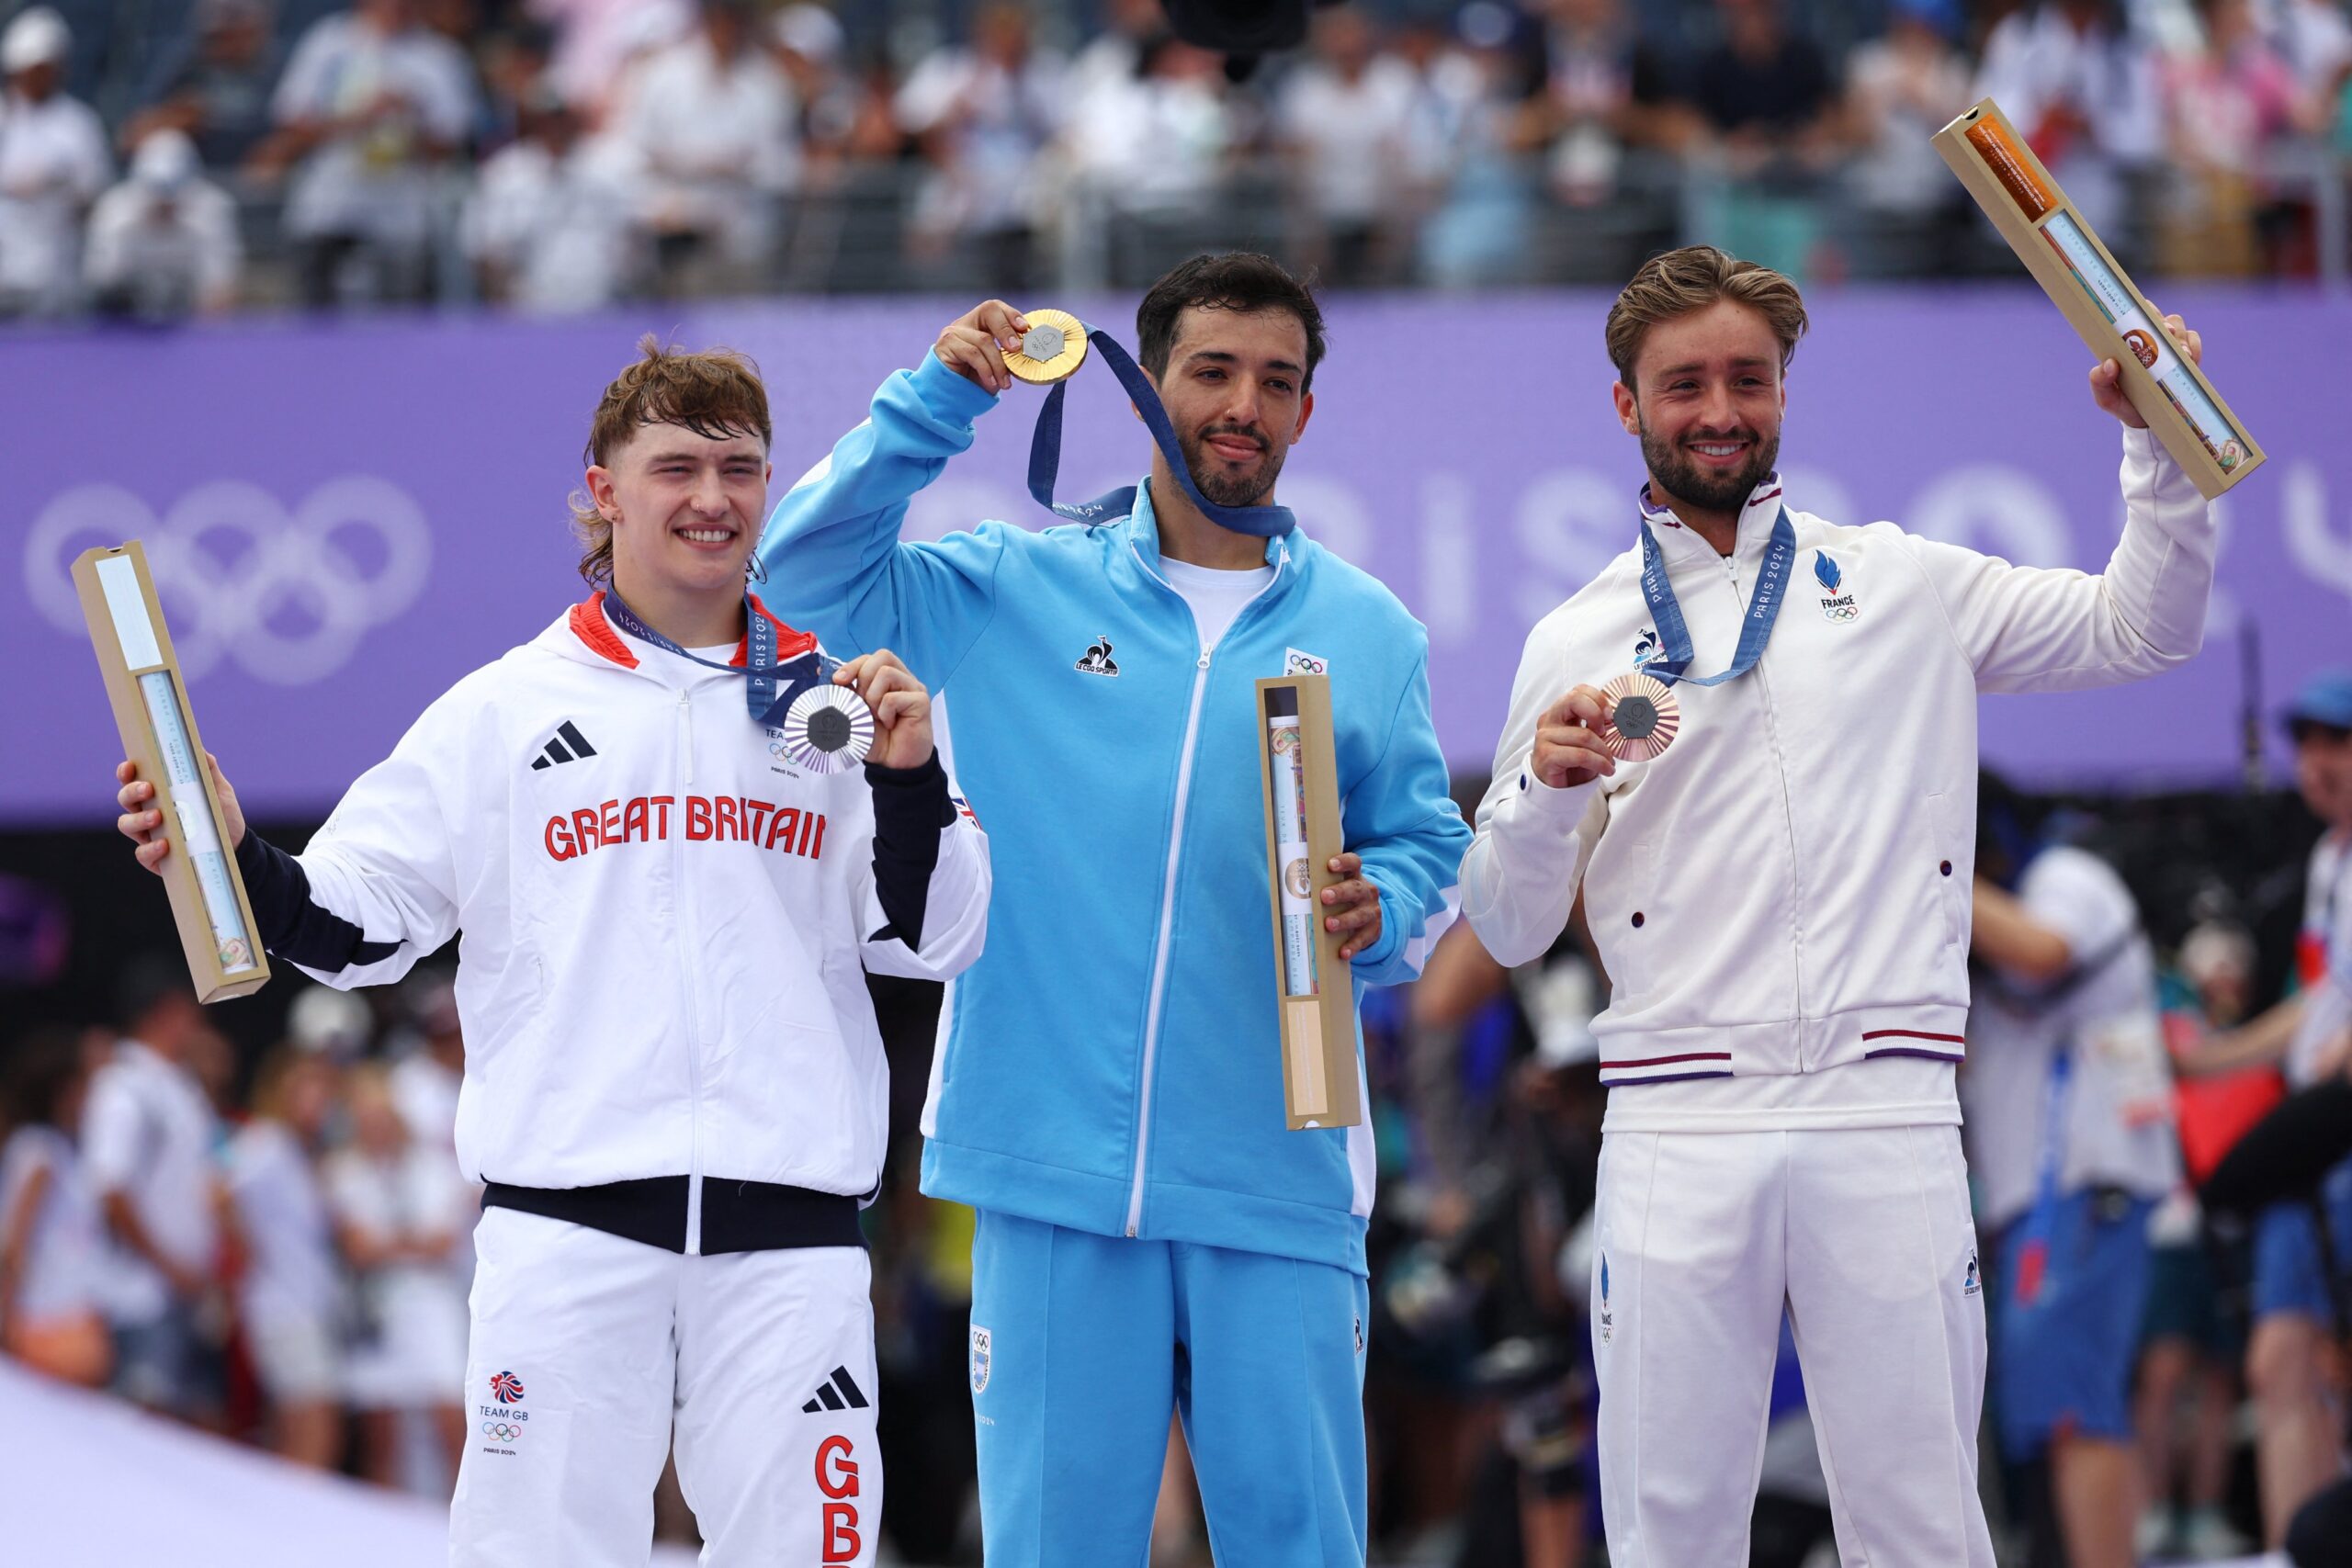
1789, 816
687, 947
1168, 889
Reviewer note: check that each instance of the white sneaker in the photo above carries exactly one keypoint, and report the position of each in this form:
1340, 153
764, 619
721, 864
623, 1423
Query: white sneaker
2207, 1537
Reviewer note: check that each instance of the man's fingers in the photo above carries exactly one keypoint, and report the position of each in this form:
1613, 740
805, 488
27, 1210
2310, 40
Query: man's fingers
151, 855
898, 706
1353, 919
136, 825
130, 795
1347, 865
1353, 891
125, 771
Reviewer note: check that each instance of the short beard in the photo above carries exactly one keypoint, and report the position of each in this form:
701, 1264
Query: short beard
1208, 469
1684, 480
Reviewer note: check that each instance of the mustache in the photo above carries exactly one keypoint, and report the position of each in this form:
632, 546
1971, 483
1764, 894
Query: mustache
1245, 431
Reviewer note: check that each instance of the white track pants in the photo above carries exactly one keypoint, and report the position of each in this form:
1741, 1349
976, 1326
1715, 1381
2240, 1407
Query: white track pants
587, 1349
1865, 1238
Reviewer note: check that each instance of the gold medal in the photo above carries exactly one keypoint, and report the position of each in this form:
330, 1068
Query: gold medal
1642, 717
1053, 347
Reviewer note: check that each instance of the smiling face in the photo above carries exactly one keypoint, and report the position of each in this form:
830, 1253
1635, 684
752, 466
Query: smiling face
684, 509
1707, 401
1235, 390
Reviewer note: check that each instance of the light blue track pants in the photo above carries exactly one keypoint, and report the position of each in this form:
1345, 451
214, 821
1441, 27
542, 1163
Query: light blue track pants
1082, 1345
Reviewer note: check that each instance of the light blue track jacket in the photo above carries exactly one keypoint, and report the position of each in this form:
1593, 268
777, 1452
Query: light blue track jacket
1112, 1062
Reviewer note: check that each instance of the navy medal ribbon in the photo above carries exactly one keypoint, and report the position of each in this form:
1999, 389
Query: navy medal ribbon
1673, 663
770, 686
1045, 458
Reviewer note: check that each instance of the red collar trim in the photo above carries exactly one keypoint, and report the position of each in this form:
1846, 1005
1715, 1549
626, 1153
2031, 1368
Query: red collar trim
789, 644
588, 624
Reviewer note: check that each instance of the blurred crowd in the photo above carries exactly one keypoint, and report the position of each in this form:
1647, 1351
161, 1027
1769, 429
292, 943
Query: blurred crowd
273, 1245
162, 157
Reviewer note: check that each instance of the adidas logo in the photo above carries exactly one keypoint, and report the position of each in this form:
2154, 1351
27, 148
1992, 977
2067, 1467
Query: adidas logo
569, 745
836, 1392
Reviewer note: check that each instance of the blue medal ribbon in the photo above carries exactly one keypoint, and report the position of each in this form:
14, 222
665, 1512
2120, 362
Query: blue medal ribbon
1045, 458
769, 688
1756, 628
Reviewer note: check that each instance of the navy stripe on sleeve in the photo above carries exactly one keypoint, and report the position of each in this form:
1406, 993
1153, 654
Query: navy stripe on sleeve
294, 927
910, 810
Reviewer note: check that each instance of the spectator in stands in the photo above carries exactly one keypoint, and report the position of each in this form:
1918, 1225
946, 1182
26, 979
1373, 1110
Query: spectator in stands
1154, 145
164, 243
148, 1135
1114, 54
53, 164
2299, 1442
552, 223
2185, 1405
2083, 90
1345, 121
398, 1207
1901, 88
2314, 37
215, 85
2228, 103
1605, 90
981, 115
289, 1296
53, 1238
808, 42
1472, 132
1770, 102
597, 43
2067, 1107
710, 117
371, 106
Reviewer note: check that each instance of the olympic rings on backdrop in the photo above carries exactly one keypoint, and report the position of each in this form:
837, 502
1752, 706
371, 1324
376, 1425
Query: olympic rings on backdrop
241, 576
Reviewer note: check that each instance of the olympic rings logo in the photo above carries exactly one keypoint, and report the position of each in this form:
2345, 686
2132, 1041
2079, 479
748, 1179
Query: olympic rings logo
501, 1430
240, 576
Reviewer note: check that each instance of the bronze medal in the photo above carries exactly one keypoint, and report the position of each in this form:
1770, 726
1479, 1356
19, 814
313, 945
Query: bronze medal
1642, 717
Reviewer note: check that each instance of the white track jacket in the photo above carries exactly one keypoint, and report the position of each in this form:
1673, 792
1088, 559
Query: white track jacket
667, 925
1786, 889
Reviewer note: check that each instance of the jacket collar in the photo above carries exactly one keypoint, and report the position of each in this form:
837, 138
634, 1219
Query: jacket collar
1756, 516
587, 632
1143, 532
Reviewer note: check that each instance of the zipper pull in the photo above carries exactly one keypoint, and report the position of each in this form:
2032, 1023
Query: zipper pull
1205, 659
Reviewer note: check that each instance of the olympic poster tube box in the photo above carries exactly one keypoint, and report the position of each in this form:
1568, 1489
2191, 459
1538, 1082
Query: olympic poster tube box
1313, 987
159, 733
2113, 317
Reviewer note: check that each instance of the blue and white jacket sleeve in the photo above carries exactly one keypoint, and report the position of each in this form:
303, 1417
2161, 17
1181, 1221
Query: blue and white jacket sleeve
1402, 820
834, 560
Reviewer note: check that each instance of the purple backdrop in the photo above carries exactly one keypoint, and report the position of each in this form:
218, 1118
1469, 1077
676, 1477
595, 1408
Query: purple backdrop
347, 517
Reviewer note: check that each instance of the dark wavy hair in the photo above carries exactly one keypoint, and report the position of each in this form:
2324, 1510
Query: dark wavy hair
1234, 280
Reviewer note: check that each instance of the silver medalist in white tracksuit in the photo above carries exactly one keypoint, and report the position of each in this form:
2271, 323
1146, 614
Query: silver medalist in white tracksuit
674, 1084
1781, 903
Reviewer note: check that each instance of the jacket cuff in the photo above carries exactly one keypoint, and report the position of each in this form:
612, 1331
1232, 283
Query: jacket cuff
1560, 805
2149, 464
946, 396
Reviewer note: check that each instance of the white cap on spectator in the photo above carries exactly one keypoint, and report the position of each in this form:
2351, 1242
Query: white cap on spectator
38, 37
330, 1022
810, 31
165, 160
